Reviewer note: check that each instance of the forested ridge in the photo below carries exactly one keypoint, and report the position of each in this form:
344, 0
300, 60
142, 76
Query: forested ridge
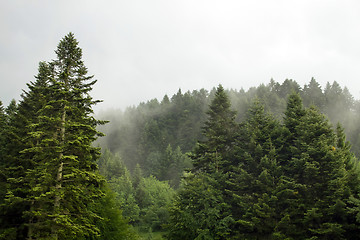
277, 161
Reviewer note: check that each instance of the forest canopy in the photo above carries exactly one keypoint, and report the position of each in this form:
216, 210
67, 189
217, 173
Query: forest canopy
278, 161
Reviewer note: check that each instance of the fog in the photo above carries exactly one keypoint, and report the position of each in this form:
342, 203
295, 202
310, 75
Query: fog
140, 50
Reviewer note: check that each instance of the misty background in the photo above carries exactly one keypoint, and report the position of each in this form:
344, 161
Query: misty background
140, 50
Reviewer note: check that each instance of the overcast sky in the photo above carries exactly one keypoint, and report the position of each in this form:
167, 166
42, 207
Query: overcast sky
143, 49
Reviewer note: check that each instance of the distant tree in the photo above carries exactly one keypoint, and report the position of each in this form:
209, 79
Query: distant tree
339, 102
3, 126
172, 165
154, 198
137, 176
200, 211
313, 94
287, 87
125, 196
220, 133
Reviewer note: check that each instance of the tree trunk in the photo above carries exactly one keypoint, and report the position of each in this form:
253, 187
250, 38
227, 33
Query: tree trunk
59, 176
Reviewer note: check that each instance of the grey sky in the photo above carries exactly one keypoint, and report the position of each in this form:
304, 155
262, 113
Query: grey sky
144, 49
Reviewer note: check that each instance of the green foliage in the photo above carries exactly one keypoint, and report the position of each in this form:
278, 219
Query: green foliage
290, 180
220, 132
154, 198
255, 174
51, 177
143, 201
142, 134
112, 225
199, 211
251, 175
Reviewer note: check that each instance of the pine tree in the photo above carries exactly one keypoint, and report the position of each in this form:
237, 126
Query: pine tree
2, 132
58, 162
201, 211
313, 94
2, 161
220, 132
253, 181
316, 188
20, 118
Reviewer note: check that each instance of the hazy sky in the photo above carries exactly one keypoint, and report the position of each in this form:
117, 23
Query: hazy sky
144, 49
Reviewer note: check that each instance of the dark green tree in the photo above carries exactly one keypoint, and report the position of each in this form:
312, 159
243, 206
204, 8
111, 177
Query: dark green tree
220, 132
200, 211
58, 162
3, 126
315, 174
112, 225
20, 118
313, 94
255, 174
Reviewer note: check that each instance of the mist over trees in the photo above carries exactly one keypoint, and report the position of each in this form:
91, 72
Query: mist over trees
278, 161
141, 134
254, 159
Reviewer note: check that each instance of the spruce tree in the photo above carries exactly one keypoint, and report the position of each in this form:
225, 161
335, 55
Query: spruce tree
253, 181
2, 132
315, 177
2, 162
220, 132
201, 211
56, 160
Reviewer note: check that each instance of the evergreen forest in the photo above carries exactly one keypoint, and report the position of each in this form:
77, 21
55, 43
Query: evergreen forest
276, 161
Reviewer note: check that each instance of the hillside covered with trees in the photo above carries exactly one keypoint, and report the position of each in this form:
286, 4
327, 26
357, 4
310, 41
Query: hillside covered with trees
145, 133
278, 161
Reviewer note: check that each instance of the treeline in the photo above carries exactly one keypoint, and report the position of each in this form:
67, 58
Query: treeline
50, 187
251, 175
143, 134
268, 179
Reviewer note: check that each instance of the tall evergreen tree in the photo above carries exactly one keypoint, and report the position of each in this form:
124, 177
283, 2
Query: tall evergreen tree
255, 175
58, 161
220, 132
316, 175
201, 212
21, 118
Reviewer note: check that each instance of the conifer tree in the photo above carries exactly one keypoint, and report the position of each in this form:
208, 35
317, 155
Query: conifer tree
56, 160
2, 157
220, 132
253, 180
2, 131
315, 175
200, 211
20, 119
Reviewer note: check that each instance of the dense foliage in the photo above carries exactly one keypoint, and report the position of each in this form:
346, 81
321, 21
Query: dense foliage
272, 162
51, 186
269, 180
141, 134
